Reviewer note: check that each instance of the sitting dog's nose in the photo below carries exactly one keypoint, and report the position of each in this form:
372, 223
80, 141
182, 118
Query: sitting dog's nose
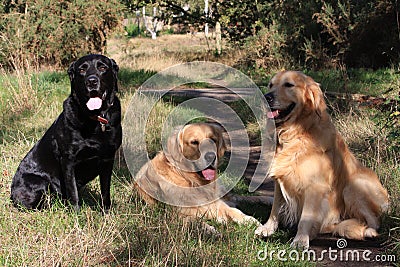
210, 157
269, 97
92, 81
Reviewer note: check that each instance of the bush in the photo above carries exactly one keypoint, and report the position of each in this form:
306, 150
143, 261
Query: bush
266, 49
335, 33
318, 34
133, 30
54, 32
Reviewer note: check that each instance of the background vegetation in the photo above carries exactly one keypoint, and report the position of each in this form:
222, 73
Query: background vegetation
350, 47
317, 34
44, 32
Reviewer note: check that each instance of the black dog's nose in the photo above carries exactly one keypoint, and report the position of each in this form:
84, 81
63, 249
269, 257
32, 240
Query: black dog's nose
269, 97
92, 81
210, 157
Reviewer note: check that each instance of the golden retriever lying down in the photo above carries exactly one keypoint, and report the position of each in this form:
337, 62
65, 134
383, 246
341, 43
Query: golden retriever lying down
185, 175
319, 184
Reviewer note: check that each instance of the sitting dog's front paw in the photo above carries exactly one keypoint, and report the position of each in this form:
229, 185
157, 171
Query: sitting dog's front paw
301, 242
267, 229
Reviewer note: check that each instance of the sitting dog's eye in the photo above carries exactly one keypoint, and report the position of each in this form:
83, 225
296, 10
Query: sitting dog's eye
288, 85
194, 142
81, 71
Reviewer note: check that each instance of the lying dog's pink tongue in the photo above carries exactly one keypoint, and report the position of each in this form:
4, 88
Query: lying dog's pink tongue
209, 174
94, 103
273, 114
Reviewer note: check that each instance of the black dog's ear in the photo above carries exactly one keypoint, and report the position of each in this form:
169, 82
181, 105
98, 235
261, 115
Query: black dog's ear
114, 66
115, 70
71, 71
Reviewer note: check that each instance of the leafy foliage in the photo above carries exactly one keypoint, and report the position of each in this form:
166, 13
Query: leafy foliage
44, 31
332, 33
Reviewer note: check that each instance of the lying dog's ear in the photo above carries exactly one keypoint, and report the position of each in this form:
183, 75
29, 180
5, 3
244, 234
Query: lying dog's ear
175, 146
315, 96
221, 142
71, 71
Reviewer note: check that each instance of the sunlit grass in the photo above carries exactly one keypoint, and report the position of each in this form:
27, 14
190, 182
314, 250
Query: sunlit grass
135, 234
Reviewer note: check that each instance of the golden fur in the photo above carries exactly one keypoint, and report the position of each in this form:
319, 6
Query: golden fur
319, 184
168, 171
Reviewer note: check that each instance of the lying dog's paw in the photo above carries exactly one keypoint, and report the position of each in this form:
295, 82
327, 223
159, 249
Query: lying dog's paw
239, 217
267, 229
301, 242
370, 233
250, 220
210, 230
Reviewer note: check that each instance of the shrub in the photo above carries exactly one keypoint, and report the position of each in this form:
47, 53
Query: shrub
54, 32
266, 49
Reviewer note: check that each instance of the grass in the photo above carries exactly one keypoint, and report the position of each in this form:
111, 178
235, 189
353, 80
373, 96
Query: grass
377, 83
134, 234
383, 82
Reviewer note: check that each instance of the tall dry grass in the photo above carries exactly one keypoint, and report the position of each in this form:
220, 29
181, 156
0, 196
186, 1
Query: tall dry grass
20, 85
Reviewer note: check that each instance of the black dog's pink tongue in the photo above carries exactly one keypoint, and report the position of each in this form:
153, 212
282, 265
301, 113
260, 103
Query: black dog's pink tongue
94, 103
209, 174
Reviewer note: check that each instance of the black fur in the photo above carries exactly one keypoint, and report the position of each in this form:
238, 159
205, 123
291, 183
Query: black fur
76, 148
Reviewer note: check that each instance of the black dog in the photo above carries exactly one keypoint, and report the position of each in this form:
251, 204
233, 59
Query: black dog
80, 144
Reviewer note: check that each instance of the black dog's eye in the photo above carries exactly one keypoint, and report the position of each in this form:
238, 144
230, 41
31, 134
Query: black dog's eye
288, 84
194, 142
83, 68
102, 68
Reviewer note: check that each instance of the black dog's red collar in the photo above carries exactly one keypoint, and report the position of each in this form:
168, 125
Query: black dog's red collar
103, 121
99, 119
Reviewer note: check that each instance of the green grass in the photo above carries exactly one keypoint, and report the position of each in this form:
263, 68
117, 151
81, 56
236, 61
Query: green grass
129, 78
379, 83
134, 233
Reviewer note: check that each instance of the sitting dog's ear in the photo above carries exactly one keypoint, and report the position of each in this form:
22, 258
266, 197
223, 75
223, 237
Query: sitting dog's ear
315, 96
71, 71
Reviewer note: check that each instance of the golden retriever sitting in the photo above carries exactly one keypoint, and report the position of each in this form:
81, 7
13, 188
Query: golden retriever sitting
319, 184
185, 175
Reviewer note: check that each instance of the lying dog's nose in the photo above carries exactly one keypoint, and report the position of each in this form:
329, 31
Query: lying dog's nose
210, 157
92, 81
269, 97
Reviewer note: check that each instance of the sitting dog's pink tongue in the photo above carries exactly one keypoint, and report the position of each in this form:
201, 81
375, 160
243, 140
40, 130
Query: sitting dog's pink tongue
273, 114
94, 103
209, 174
